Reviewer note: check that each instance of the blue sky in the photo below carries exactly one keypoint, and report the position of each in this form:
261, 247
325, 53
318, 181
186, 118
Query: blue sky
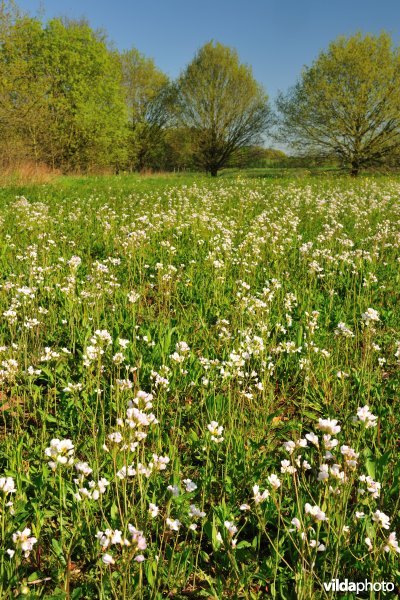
276, 37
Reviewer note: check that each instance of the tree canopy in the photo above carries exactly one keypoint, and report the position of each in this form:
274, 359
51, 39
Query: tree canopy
146, 95
347, 103
61, 98
71, 101
221, 104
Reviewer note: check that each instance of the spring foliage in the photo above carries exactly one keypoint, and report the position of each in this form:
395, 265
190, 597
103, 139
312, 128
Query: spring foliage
347, 103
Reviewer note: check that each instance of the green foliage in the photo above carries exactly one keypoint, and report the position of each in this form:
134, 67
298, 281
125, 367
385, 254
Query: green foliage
61, 99
86, 104
221, 104
347, 103
103, 280
147, 97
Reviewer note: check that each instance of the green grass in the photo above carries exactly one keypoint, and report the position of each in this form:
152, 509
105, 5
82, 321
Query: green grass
254, 274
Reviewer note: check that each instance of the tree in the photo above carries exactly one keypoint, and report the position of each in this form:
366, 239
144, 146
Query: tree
22, 86
347, 103
222, 105
87, 114
61, 99
146, 94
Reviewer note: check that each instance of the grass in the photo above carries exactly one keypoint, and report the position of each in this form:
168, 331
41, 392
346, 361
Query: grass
166, 342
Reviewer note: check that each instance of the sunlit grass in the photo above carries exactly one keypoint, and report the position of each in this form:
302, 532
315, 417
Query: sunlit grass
173, 352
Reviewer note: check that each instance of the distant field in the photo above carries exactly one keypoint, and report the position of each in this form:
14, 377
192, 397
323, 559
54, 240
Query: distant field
199, 386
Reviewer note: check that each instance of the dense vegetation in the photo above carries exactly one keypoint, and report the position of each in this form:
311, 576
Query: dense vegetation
199, 387
70, 102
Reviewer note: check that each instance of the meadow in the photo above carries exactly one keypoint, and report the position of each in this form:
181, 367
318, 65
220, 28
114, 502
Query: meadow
199, 387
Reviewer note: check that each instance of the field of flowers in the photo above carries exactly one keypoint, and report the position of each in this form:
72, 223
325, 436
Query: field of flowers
199, 389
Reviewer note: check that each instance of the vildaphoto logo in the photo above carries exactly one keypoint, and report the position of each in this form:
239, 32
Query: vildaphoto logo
358, 586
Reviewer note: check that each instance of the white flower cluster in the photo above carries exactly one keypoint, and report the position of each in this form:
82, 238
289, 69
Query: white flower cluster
111, 537
343, 330
365, 416
61, 452
370, 316
7, 485
23, 541
216, 432
101, 339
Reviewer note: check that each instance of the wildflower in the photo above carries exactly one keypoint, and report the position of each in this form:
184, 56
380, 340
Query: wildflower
108, 559
342, 375
289, 446
343, 330
315, 512
258, 498
244, 507
350, 456
173, 524
329, 426
101, 336
232, 529
182, 347
74, 262
365, 416
7, 485
369, 543
108, 537
196, 512
373, 487
115, 437
159, 462
174, 489
153, 510
370, 316
73, 387
295, 521
302, 443
190, 486
287, 467
133, 297
24, 541
216, 431
274, 481
319, 547
118, 358
337, 473
323, 474
138, 539
61, 451
311, 437
49, 355
381, 519
139, 558
329, 442
392, 543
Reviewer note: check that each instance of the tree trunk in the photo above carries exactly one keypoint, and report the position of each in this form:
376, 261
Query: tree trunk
355, 168
213, 171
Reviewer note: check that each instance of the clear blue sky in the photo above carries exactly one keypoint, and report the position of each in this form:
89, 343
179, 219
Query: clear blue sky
276, 37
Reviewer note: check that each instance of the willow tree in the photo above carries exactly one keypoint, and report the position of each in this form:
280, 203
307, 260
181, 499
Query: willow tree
221, 104
347, 103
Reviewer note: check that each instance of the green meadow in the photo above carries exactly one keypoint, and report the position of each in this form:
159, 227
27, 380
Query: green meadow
199, 386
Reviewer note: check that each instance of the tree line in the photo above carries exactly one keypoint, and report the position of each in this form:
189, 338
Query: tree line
71, 101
